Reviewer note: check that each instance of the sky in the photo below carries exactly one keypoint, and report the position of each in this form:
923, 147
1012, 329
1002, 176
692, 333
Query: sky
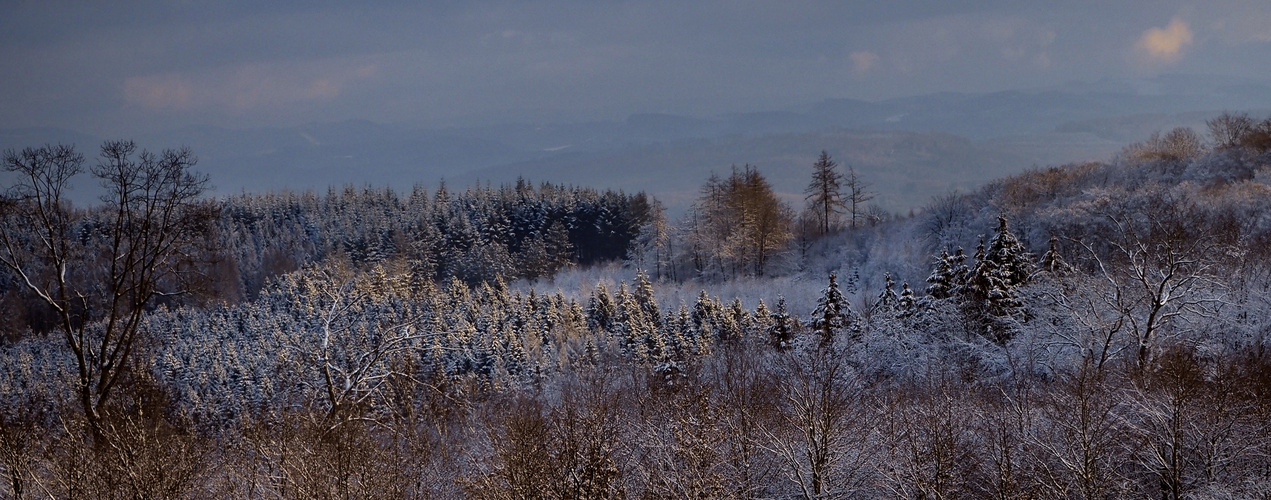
111, 68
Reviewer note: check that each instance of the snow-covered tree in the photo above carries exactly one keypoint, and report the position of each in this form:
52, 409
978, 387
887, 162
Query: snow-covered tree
906, 304
600, 309
943, 281
1052, 262
832, 314
781, 332
887, 299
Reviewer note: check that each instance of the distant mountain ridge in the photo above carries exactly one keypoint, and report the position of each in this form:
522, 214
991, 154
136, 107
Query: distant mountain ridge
928, 144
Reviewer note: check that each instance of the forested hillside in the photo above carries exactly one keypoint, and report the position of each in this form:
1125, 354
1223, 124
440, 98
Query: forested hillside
1094, 330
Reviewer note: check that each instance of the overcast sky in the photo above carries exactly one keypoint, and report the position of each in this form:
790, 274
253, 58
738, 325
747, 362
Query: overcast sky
112, 68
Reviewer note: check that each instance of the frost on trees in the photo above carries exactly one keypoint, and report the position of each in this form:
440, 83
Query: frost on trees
832, 313
944, 280
906, 304
887, 299
992, 290
781, 331
601, 310
1052, 262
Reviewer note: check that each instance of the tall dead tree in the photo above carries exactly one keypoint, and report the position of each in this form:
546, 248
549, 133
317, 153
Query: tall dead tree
858, 194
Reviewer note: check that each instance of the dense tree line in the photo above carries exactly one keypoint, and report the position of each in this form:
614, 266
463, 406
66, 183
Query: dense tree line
514, 232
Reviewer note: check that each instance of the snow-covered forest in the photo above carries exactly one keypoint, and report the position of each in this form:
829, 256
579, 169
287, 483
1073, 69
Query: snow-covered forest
1094, 330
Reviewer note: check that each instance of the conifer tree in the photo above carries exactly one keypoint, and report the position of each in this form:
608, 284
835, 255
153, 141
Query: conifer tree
706, 313
907, 304
1052, 262
761, 320
887, 299
999, 271
629, 323
940, 284
824, 194
961, 273
737, 321
831, 314
686, 334
781, 333
645, 299
1008, 256
601, 309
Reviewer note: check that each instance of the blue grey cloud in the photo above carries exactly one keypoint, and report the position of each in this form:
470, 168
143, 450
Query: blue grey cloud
135, 66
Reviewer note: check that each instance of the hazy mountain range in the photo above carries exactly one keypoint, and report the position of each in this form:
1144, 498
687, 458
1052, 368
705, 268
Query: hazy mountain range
909, 149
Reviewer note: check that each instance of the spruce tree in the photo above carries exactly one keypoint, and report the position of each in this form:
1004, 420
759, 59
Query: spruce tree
907, 304
961, 273
601, 310
1008, 256
831, 313
740, 317
686, 333
645, 299
887, 299
999, 271
706, 315
761, 320
1052, 262
781, 333
940, 284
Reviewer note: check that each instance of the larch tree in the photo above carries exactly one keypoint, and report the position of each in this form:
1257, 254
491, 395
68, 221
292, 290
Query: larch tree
738, 224
824, 194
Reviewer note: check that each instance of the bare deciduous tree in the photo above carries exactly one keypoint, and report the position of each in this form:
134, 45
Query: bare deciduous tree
1158, 272
821, 441
1228, 130
99, 269
858, 194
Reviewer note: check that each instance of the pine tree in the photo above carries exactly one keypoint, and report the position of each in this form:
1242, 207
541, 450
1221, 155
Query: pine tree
781, 333
907, 304
1052, 262
940, 284
831, 314
601, 310
887, 299
999, 271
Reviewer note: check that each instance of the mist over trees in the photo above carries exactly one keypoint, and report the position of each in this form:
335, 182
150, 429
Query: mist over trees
1094, 330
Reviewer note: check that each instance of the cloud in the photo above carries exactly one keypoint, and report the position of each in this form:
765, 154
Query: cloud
244, 88
1166, 44
168, 92
863, 61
